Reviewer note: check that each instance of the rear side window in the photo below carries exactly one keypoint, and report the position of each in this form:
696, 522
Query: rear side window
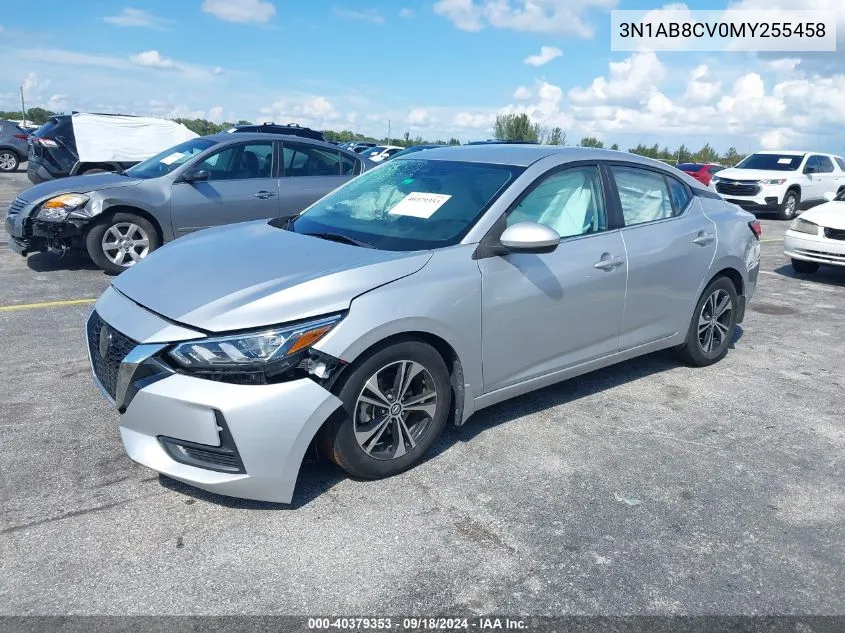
643, 194
825, 165
679, 194
840, 162
302, 160
348, 165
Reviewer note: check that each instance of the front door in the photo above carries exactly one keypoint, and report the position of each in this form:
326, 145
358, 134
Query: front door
241, 186
545, 312
670, 245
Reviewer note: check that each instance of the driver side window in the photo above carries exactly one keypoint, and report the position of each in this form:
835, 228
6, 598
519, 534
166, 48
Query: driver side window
569, 201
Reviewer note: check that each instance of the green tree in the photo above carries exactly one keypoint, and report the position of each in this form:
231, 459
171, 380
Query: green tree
454, 141
591, 141
731, 157
516, 127
615, 146
556, 136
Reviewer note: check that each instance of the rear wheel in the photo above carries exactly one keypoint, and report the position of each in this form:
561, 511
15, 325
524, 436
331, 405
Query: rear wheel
396, 402
789, 207
712, 326
121, 241
804, 268
9, 161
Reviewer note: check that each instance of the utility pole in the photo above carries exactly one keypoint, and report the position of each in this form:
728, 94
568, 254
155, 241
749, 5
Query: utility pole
388, 130
23, 108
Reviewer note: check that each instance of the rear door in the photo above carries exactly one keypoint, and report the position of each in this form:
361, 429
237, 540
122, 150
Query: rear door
829, 176
309, 172
242, 186
670, 245
814, 186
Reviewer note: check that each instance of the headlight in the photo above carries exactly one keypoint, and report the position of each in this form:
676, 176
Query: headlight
773, 181
804, 226
251, 358
57, 209
715, 179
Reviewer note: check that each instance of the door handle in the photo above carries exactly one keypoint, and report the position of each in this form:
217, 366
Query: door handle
264, 194
608, 263
704, 239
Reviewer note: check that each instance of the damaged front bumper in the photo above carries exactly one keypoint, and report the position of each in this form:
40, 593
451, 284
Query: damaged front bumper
34, 235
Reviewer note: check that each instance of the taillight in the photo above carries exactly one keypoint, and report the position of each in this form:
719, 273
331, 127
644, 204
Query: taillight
755, 227
46, 142
22, 137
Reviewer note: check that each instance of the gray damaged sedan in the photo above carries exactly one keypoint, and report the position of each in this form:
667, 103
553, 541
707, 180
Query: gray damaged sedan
413, 296
119, 218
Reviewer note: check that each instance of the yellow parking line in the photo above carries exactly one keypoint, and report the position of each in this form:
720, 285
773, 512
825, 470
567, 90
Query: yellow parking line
773, 239
45, 304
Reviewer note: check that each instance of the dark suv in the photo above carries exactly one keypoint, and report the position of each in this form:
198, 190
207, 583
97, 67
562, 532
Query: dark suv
291, 129
12, 145
53, 153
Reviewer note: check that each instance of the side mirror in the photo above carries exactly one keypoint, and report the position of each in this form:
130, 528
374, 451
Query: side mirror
829, 196
199, 175
530, 237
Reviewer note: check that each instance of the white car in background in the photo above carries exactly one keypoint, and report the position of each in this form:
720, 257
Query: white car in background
380, 153
817, 236
781, 182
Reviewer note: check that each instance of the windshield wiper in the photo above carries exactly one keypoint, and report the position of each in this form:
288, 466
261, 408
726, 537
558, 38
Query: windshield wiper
337, 237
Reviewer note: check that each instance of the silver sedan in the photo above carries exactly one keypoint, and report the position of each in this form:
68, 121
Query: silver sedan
418, 293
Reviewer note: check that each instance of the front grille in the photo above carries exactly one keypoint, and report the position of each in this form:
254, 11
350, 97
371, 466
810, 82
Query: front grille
835, 258
106, 366
737, 188
834, 234
27, 228
16, 206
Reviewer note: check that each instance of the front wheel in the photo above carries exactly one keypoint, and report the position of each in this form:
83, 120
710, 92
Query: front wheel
804, 268
789, 207
9, 161
396, 402
121, 241
712, 326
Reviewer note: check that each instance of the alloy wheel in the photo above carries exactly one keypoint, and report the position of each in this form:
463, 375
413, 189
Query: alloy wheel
790, 205
8, 161
395, 410
125, 244
714, 321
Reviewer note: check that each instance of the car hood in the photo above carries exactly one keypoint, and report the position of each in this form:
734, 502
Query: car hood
829, 214
753, 174
76, 184
252, 275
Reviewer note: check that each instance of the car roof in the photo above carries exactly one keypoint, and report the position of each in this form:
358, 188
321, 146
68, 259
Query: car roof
525, 155
228, 137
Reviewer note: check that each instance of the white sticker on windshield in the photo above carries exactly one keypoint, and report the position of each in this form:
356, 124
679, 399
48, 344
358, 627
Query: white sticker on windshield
419, 204
172, 158
784, 161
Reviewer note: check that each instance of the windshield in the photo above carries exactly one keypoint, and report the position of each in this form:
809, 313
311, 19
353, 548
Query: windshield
409, 204
771, 162
169, 159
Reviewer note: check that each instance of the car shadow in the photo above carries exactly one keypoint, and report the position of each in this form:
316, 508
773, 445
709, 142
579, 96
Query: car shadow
317, 476
828, 275
50, 262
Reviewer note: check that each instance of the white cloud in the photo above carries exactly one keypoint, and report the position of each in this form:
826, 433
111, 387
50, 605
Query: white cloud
474, 120
370, 15
152, 59
632, 80
32, 83
564, 17
216, 114
784, 65
420, 117
240, 11
701, 88
406, 13
522, 93
547, 54
136, 18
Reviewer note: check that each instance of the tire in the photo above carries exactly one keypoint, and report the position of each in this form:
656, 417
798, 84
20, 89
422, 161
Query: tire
9, 161
367, 439
711, 330
789, 207
94, 170
112, 241
804, 268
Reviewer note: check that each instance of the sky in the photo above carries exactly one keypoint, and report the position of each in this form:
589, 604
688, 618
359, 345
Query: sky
433, 68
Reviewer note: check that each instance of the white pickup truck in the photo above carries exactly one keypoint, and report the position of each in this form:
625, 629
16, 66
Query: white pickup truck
782, 182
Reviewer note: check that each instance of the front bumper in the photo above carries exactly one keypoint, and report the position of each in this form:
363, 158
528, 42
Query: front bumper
814, 248
767, 197
29, 235
238, 440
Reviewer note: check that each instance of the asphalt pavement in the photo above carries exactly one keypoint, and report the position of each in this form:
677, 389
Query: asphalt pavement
645, 488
